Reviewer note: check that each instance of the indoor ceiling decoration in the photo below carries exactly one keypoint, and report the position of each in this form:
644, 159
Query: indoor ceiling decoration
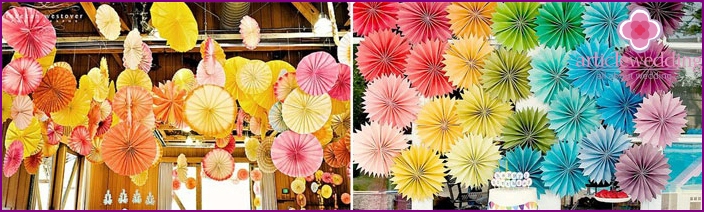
28, 31
296, 155
176, 24
108, 22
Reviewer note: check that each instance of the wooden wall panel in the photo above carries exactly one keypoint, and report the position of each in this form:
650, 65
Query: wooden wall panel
103, 178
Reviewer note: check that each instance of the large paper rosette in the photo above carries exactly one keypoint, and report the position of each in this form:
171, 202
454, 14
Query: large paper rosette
418, 173
524, 159
642, 172
420, 21
560, 24
46, 61
169, 103
132, 50
212, 50
617, 104
592, 75
599, 151
649, 77
264, 160
528, 127
133, 77
218, 165
176, 24
424, 68
133, 103
232, 67
31, 137
561, 172
514, 24
296, 155
376, 145
28, 31
317, 73
22, 111
278, 68
254, 77
471, 18
464, 60
13, 158
21, 76
506, 74
129, 148
304, 113
481, 114
210, 111
337, 154
668, 14
601, 20
391, 100
374, 16
660, 119
549, 73
108, 22
249, 29
473, 160
75, 113
382, 53
438, 125
573, 115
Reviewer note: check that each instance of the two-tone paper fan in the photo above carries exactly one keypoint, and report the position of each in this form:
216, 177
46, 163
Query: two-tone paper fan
561, 172
560, 24
660, 119
524, 159
514, 24
374, 16
601, 20
506, 75
382, 53
573, 115
418, 173
481, 114
591, 74
549, 73
424, 68
438, 124
649, 77
668, 14
473, 160
617, 104
528, 127
421, 21
599, 151
391, 100
471, 18
464, 59
376, 145
642, 172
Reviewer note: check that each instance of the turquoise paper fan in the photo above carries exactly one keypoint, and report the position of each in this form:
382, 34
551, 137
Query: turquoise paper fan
573, 115
599, 152
561, 172
601, 20
617, 106
523, 160
591, 74
549, 73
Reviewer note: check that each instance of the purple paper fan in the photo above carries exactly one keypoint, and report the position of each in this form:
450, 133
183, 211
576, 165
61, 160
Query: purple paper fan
642, 172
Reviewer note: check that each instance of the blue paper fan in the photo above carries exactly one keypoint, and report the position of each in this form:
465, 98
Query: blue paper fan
526, 159
573, 115
549, 73
591, 66
617, 104
561, 172
601, 21
599, 152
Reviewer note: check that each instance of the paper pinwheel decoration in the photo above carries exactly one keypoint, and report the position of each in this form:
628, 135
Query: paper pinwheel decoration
471, 18
382, 53
324, 134
304, 113
464, 60
32, 163
549, 73
133, 103
514, 24
75, 113
344, 49
340, 124
254, 77
218, 165
424, 68
376, 145
55, 132
438, 125
296, 155
573, 115
345, 198
317, 73
473, 160
589, 74
6, 106
391, 100
168, 103
337, 154
129, 148
524, 159
506, 74
13, 158
370, 17
560, 24
134, 77
669, 14
285, 85
249, 29
29, 32
210, 71
298, 186
482, 114
342, 87
648, 78
22, 111
422, 21
210, 110
132, 52
184, 79
251, 146
600, 150
418, 173
561, 172
80, 140
601, 20
191, 183
617, 104
108, 22
21, 76
660, 119
642, 172
140, 179
276, 119
528, 127
176, 24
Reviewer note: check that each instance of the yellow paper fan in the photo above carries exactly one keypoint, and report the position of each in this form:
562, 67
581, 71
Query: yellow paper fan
324, 134
482, 114
254, 78
133, 77
184, 79
232, 67
438, 124
251, 146
418, 173
473, 160
76, 112
31, 137
141, 178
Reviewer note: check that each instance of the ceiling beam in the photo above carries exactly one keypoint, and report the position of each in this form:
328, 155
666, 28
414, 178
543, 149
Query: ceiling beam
310, 12
90, 10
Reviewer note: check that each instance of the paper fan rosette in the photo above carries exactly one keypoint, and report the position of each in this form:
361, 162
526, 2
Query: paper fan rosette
376, 145
75, 113
296, 155
298, 186
601, 20
145, 64
31, 137
278, 68
642, 172
21, 76
128, 148
218, 165
464, 60
32, 163
391, 100
418, 173
210, 110
232, 67
482, 114
561, 172
210, 71
46, 61
229, 144
184, 79
54, 132
344, 49
108, 22
514, 24
660, 119
169, 103
668, 14
249, 29
559, 24
324, 134
28, 31
285, 85
317, 73
80, 140
176, 24
382, 53
524, 159
420, 21
506, 74
96, 154
251, 146
276, 119
256, 175
242, 174
549, 73
599, 151
212, 50
140, 179
133, 77
438, 125
132, 52
573, 115
254, 77
133, 103
473, 160
370, 17
340, 123
617, 104
264, 157
336, 154
342, 87
304, 113
471, 18
22, 111
13, 158
591, 77
648, 78
424, 68
528, 127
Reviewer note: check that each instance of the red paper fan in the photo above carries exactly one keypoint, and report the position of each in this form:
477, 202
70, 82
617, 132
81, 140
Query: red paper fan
341, 89
54, 132
55, 91
28, 31
218, 165
382, 53
32, 163
296, 155
80, 141
104, 126
425, 69
175, 184
317, 73
374, 16
21, 76
227, 144
421, 21
13, 158
242, 174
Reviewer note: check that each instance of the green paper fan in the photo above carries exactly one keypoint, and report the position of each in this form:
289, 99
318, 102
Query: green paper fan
514, 24
505, 75
481, 114
528, 127
560, 25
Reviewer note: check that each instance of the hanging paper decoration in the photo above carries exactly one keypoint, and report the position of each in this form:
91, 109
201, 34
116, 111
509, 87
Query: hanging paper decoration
420, 21
342, 87
481, 114
382, 53
133, 103
376, 145
254, 77
251, 146
345, 198
22, 111
184, 79
276, 119
561, 172
298, 186
642, 172
218, 165
438, 125
344, 49
326, 191
150, 199
211, 50
210, 110
549, 73
169, 103
242, 174
132, 52
128, 148
296, 155
132, 77
424, 68
6, 106
506, 74
32, 163
108, 22
75, 113
249, 29
31, 137
140, 179
304, 113
175, 23
514, 25
648, 78
464, 59
232, 67
256, 175
285, 85
473, 160
54, 132
264, 157
341, 123
123, 197
660, 119
29, 32
391, 100
337, 154
525, 160
617, 104
418, 173
96, 153
80, 140
528, 128
55, 91
21, 76
559, 24
590, 74
573, 115
13, 158
324, 134
317, 73
600, 150
191, 183
601, 20
370, 17
210, 71
471, 18
668, 14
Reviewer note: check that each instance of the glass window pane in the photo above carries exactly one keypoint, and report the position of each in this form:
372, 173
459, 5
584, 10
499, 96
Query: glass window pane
187, 196
218, 195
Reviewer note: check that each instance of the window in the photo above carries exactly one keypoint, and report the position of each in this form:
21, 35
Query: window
42, 185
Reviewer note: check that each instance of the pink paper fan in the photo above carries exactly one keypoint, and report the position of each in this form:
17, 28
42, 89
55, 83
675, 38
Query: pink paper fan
28, 31
256, 175
341, 89
660, 119
249, 29
317, 73
242, 174
382, 53
327, 177
229, 146
54, 132
13, 158
146, 63
296, 155
424, 68
104, 126
420, 21
218, 165
374, 16
21, 76
239, 128
391, 100
210, 71
375, 147
22, 111
649, 77
80, 141
642, 172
